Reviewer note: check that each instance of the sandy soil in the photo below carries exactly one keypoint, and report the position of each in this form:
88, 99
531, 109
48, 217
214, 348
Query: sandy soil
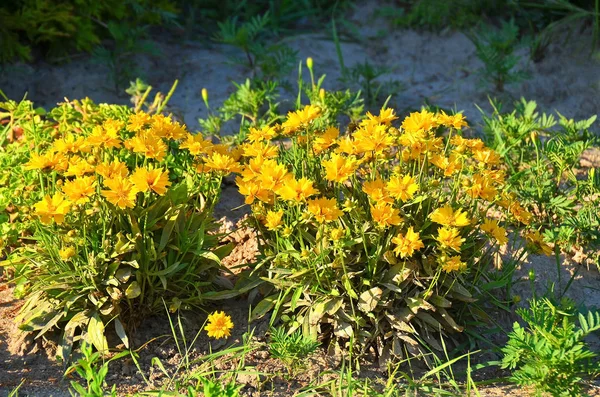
438, 68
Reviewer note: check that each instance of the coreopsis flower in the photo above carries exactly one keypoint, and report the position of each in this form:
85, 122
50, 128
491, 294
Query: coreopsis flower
78, 167
272, 175
520, 213
325, 140
67, 253
447, 164
70, 144
252, 170
324, 209
297, 190
456, 121
453, 264
491, 228
480, 186
52, 208
386, 116
138, 121
260, 149
196, 144
121, 192
80, 189
418, 122
408, 243
148, 144
274, 220
402, 187
252, 191
449, 237
376, 191
265, 133
300, 118
535, 242
101, 137
346, 145
219, 325
112, 169
339, 168
446, 216
385, 215
486, 156
373, 138
222, 163
154, 179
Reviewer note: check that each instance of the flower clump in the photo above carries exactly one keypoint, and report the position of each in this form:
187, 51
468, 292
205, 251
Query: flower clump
381, 229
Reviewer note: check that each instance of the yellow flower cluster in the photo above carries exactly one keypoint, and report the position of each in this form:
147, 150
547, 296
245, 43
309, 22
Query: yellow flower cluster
302, 170
117, 160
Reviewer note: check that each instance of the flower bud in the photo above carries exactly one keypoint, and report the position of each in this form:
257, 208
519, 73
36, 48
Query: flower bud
322, 94
205, 95
309, 63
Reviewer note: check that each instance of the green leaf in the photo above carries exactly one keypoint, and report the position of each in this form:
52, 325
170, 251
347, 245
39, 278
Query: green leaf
120, 330
95, 334
133, 290
263, 307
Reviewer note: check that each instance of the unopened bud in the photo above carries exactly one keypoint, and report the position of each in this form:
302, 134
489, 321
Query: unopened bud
309, 63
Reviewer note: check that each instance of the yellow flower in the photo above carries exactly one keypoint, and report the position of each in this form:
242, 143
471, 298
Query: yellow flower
79, 167
536, 243
56, 161
486, 156
339, 168
252, 191
456, 121
252, 170
373, 138
324, 210
448, 164
449, 237
148, 144
273, 220
297, 190
402, 187
376, 191
260, 149
52, 208
326, 140
121, 192
272, 175
520, 213
385, 215
418, 122
300, 118
265, 133
102, 137
110, 170
222, 163
80, 189
156, 180
386, 116
67, 253
138, 121
453, 264
219, 325
446, 216
346, 145
407, 244
196, 144
491, 227
70, 144
480, 186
